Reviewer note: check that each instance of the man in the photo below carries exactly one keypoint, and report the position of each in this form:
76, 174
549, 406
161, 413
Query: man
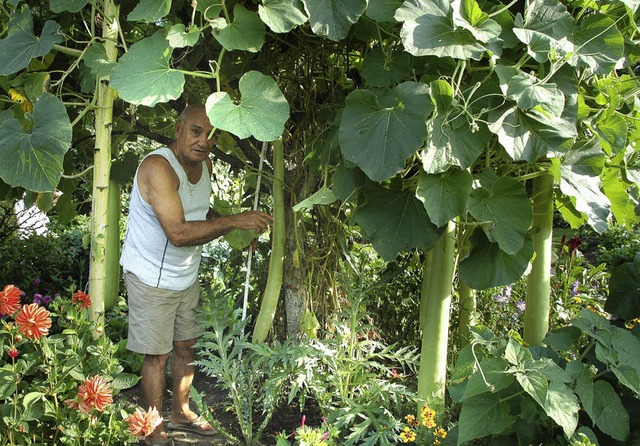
169, 220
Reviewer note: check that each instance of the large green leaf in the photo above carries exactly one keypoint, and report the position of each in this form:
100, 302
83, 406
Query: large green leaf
180, 37
623, 205
245, 32
492, 379
468, 15
603, 405
528, 136
150, 11
445, 195
561, 405
487, 266
528, 91
380, 130
624, 291
333, 18
21, 44
483, 415
33, 158
96, 59
578, 175
348, 183
382, 69
599, 44
281, 16
505, 213
383, 10
395, 221
67, 5
547, 26
428, 30
143, 76
261, 111
323, 196
453, 141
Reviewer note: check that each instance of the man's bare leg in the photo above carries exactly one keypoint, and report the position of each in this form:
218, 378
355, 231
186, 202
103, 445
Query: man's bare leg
153, 385
183, 371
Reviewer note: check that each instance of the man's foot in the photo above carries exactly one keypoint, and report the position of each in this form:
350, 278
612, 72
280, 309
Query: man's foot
197, 426
158, 438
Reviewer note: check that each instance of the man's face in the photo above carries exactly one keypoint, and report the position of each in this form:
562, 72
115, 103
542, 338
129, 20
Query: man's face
192, 135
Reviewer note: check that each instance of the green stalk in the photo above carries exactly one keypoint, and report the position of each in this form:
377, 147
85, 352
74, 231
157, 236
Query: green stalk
536, 316
424, 289
264, 321
112, 245
435, 335
467, 316
101, 172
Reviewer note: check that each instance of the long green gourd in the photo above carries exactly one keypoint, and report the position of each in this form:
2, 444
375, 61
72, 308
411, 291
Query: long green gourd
536, 316
264, 321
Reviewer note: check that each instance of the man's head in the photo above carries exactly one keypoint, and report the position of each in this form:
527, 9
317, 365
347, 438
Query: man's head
192, 134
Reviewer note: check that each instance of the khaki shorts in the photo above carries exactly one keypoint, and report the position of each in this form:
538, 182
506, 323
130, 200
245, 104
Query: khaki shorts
159, 317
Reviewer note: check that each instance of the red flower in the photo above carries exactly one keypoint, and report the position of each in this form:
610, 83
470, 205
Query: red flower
33, 321
81, 299
9, 300
574, 243
94, 393
143, 423
13, 352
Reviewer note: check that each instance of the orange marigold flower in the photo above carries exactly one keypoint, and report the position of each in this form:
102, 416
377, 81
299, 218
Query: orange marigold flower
33, 321
81, 299
9, 300
408, 435
143, 423
94, 393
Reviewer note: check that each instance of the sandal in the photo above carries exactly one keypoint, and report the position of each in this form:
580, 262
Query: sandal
198, 426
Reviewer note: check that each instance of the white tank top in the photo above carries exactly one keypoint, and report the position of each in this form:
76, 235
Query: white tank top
147, 251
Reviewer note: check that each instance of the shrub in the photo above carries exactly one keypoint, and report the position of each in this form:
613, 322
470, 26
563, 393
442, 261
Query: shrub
58, 375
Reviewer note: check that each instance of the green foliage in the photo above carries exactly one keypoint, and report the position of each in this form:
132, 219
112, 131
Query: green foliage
358, 381
624, 290
38, 383
306, 435
618, 245
55, 260
253, 375
533, 395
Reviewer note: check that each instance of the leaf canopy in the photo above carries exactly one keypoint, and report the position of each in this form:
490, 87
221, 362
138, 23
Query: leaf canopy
143, 76
33, 158
261, 111
380, 130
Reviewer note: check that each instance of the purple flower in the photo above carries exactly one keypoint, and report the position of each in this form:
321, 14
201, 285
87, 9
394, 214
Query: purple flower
36, 282
37, 299
46, 300
507, 291
521, 305
574, 288
501, 299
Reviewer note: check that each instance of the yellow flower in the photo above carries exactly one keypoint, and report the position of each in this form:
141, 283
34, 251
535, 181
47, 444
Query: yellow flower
440, 432
17, 96
412, 420
426, 411
408, 435
436, 441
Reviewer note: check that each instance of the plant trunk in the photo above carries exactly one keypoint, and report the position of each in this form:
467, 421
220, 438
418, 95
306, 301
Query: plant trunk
424, 288
101, 171
295, 289
536, 316
467, 316
435, 334
264, 320
112, 245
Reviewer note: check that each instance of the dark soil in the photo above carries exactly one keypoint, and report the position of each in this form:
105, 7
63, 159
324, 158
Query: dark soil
285, 418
